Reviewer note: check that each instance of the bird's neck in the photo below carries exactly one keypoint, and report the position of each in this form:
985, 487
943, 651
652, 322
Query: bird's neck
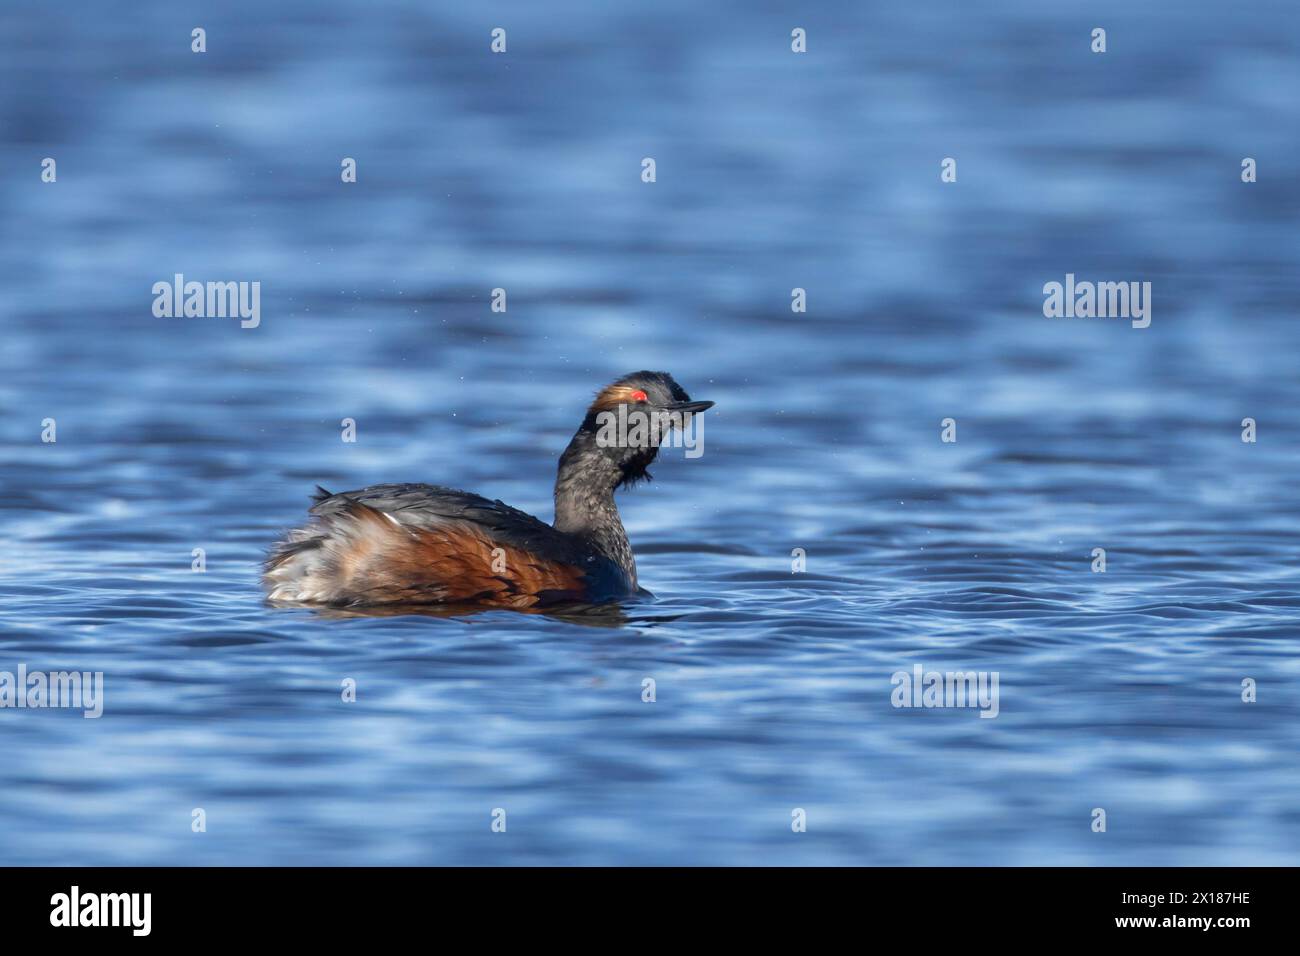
584, 501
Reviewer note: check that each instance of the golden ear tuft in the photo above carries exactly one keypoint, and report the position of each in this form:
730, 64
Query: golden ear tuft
611, 396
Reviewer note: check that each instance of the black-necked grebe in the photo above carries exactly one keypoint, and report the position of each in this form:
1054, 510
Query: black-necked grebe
424, 544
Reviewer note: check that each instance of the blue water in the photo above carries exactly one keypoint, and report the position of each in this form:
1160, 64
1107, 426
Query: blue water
1119, 690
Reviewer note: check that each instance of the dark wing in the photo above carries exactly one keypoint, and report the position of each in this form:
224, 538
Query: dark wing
416, 543
428, 506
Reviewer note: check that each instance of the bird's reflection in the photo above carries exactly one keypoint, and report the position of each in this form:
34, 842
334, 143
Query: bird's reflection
610, 615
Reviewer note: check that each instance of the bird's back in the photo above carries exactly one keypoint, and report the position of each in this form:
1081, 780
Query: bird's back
425, 544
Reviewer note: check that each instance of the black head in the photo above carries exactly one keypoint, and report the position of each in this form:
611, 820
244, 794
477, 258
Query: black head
646, 391
629, 420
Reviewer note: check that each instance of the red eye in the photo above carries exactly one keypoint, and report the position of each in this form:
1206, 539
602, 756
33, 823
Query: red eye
638, 396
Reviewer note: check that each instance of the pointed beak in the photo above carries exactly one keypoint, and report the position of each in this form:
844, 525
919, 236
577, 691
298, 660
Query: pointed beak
687, 407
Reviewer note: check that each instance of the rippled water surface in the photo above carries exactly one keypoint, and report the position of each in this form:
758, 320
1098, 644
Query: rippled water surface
819, 171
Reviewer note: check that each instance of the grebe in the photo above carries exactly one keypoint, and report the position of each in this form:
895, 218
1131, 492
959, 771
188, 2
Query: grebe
425, 544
